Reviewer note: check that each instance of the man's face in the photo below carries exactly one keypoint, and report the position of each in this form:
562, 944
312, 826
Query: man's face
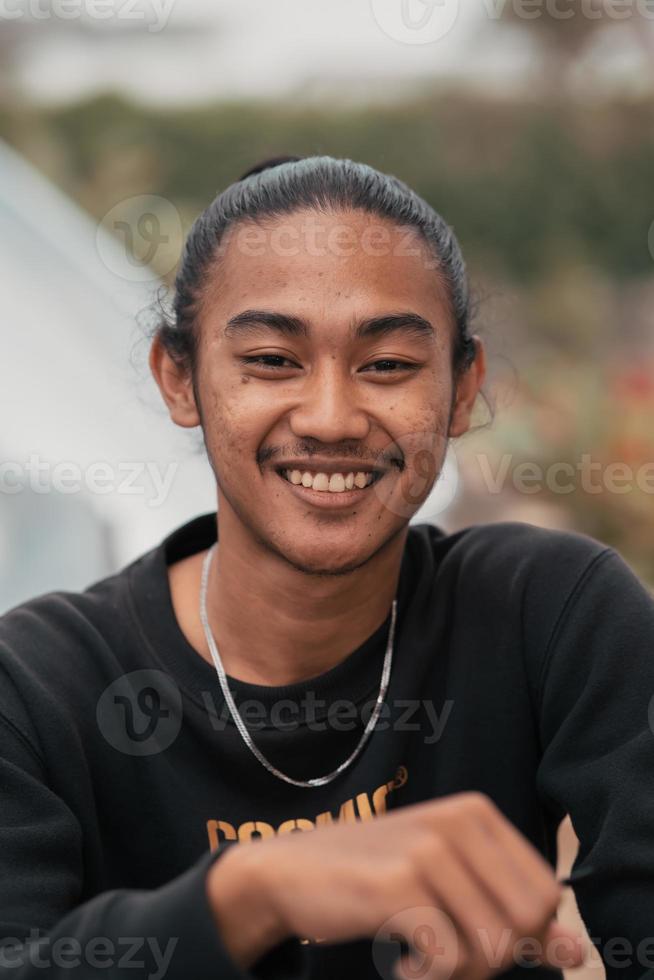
304, 401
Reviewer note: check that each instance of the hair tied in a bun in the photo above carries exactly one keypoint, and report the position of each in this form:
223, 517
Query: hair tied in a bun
266, 164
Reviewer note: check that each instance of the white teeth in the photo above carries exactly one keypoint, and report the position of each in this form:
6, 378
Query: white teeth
335, 483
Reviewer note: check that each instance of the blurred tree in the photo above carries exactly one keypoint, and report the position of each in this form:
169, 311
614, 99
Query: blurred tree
562, 34
24, 27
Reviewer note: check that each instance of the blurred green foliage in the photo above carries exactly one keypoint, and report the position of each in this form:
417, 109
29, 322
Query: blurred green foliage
519, 180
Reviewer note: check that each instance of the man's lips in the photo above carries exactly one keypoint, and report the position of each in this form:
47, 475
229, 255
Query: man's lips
330, 499
317, 464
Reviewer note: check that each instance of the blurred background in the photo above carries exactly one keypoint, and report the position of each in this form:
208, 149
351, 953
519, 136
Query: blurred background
530, 127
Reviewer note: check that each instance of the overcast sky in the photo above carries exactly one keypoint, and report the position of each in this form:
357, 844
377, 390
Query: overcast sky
164, 50
181, 50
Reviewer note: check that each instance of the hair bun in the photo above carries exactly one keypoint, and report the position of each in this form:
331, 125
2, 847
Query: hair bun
266, 164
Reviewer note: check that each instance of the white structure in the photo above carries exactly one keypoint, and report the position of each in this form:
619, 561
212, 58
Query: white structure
92, 470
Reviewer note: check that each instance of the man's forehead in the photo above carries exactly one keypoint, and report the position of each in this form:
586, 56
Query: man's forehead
318, 244
316, 285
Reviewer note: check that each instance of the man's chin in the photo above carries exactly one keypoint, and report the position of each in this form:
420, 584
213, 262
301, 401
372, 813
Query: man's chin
328, 549
325, 563
332, 555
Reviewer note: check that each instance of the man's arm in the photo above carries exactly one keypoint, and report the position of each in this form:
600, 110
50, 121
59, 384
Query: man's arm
168, 931
596, 715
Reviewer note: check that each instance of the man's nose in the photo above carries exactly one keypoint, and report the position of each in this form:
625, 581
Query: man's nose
330, 408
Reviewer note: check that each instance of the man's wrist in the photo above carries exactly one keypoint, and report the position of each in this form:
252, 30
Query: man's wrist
242, 905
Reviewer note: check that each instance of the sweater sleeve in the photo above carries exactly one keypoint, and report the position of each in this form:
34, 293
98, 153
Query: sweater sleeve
596, 719
164, 932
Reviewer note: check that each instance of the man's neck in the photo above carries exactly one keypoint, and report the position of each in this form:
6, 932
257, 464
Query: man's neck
273, 624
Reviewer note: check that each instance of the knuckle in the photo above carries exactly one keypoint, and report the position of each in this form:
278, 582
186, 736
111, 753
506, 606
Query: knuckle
527, 921
426, 847
477, 803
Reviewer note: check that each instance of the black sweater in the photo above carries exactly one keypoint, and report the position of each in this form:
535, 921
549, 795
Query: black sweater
523, 668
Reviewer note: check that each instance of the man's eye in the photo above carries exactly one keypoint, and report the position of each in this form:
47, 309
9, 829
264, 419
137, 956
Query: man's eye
388, 366
272, 361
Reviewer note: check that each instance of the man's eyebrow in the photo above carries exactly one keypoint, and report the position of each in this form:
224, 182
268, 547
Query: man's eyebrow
292, 326
381, 326
251, 320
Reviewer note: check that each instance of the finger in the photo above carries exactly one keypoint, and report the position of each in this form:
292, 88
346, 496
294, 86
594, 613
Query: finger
479, 920
528, 863
435, 945
517, 875
517, 904
558, 946
563, 947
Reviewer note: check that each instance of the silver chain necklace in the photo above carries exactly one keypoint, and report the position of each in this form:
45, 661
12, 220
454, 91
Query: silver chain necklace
238, 721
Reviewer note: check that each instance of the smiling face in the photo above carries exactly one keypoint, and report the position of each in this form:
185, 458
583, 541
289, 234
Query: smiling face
325, 387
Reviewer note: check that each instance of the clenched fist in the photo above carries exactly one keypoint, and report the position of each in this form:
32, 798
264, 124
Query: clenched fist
453, 876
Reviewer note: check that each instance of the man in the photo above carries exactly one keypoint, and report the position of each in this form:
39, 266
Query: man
267, 700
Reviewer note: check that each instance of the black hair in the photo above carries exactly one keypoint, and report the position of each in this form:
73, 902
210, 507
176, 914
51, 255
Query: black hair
286, 184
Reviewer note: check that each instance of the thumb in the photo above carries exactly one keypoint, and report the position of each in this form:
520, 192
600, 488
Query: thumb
563, 947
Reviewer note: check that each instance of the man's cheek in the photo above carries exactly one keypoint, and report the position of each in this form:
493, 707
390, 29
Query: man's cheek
234, 464
422, 453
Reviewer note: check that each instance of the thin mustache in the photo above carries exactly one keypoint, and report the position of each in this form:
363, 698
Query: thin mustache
389, 459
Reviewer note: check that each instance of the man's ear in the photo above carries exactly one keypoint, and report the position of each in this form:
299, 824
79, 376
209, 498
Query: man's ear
467, 388
175, 385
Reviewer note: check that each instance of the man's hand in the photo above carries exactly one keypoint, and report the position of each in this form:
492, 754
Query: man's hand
458, 855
